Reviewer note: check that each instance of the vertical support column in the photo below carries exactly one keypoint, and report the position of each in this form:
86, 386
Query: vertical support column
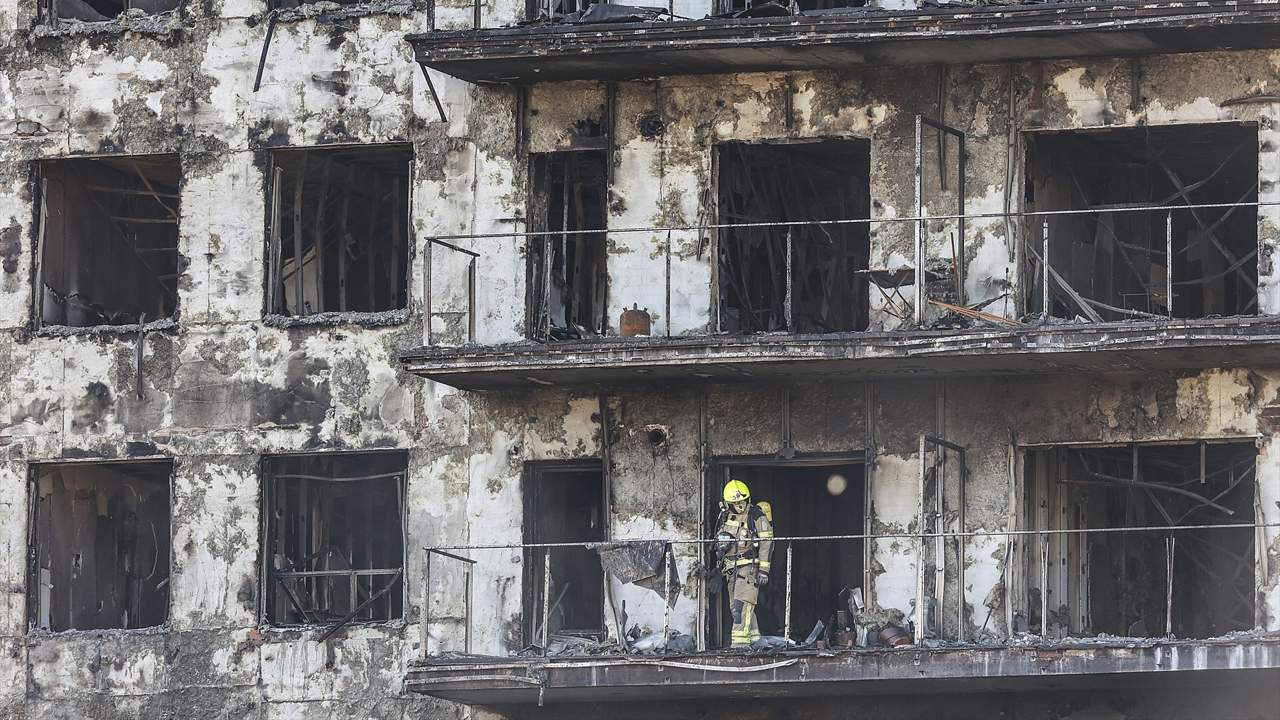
787, 297
468, 604
786, 612
426, 605
667, 286
426, 290
1044, 273
667, 569
919, 229
1168, 260
960, 185
471, 301
940, 542
920, 530
546, 598
960, 541
701, 630
1044, 584
1170, 545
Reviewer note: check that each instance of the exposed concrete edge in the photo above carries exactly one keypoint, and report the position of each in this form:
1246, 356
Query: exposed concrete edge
847, 352
878, 670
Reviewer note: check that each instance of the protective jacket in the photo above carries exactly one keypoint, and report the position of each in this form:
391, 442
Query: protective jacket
750, 553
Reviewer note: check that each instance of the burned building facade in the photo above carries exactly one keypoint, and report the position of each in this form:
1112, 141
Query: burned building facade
386, 359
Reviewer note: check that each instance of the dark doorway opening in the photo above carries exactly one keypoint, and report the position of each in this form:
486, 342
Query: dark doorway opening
819, 496
802, 278
564, 502
1116, 265
568, 277
101, 545
1118, 583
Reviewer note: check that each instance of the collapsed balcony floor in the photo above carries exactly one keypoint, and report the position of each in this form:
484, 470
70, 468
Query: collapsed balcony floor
1052, 348
1091, 662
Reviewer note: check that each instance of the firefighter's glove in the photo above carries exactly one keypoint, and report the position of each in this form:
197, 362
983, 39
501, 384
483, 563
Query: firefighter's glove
762, 578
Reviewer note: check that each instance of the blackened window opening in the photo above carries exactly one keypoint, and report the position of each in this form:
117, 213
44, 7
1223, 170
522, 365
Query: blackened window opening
335, 538
558, 10
806, 499
1118, 583
289, 4
104, 10
109, 240
568, 277
772, 8
564, 503
802, 278
339, 230
101, 533
1115, 266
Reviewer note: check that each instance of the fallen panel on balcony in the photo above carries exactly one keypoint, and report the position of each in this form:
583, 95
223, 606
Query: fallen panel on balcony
1083, 663
873, 37
1057, 348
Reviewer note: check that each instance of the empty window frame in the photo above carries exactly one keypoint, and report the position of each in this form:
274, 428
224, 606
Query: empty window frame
334, 537
802, 278
1118, 582
814, 497
104, 10
108, 236
554, 9
568, 277
750, 8
1116, 265
564, 502
339, 229
100, 545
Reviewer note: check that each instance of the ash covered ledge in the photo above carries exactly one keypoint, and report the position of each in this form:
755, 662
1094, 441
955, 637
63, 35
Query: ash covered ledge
863, 36
957, 669
1051, 348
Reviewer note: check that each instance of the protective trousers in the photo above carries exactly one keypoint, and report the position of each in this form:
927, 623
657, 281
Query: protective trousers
742, 605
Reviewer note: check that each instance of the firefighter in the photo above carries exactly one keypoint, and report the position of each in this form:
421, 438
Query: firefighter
744, 547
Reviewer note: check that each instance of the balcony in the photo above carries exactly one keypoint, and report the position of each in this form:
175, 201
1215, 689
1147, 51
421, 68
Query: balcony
1056, 616
1048, 349
864, 36
1075, 317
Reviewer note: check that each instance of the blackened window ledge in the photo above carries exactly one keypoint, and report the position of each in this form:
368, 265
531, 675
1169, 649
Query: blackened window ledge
160, 25
168, 325
327, 11
384, 318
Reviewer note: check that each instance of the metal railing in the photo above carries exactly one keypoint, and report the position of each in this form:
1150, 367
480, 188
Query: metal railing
927, 621
1037, 273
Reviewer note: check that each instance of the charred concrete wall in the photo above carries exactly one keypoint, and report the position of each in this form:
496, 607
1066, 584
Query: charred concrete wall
219, 387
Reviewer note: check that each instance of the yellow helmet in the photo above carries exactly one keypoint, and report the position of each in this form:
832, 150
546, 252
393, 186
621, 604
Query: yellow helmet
736, 491
767, 509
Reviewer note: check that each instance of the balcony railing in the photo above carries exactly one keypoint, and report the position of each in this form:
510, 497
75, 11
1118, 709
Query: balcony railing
1158, 300
892, 281
932, 581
